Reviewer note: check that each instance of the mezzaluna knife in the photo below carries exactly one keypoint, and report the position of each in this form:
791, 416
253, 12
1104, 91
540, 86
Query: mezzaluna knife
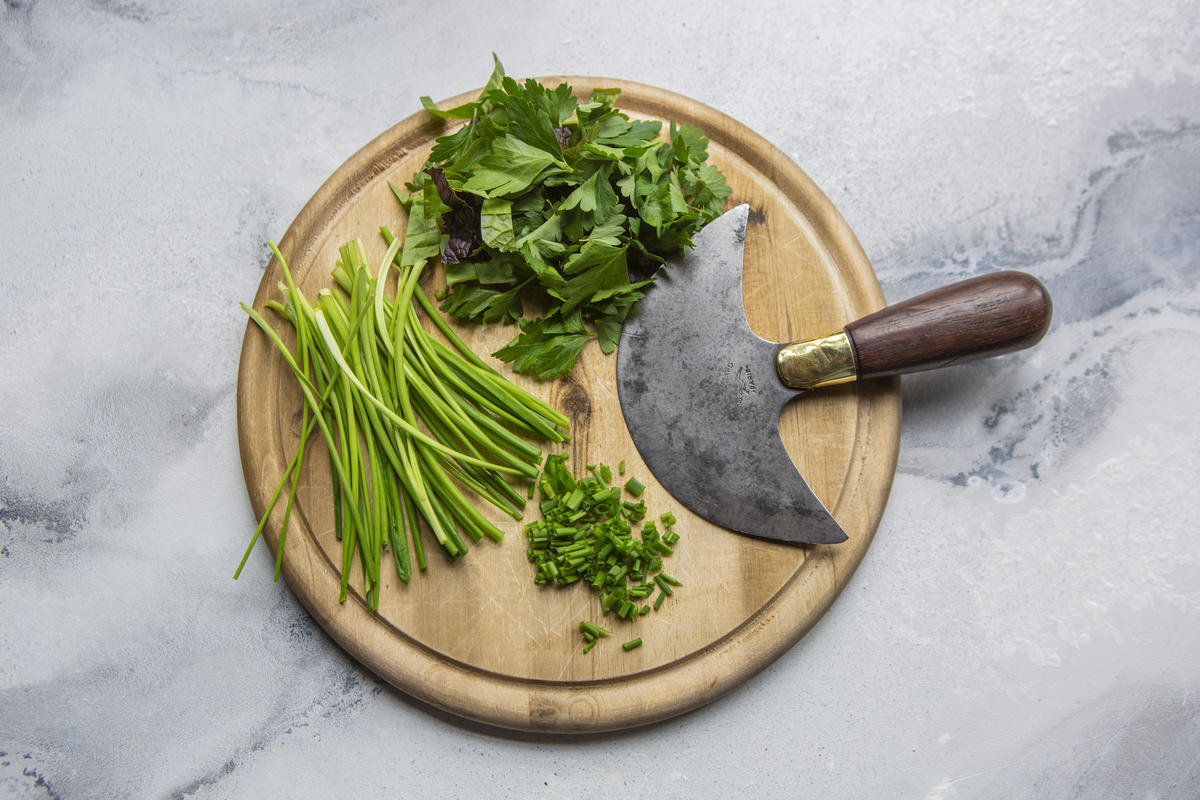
702, 393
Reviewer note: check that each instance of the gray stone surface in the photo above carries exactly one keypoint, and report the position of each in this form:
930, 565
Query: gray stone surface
1027, 623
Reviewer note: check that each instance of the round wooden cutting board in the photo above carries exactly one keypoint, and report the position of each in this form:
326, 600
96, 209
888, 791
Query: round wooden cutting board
477, 637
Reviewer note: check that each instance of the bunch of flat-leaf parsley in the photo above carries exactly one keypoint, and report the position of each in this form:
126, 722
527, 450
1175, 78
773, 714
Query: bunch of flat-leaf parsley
545, 203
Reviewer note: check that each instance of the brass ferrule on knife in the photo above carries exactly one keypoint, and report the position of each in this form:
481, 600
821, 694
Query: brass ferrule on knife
823, 361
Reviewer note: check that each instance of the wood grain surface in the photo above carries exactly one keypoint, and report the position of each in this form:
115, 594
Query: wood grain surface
477, 637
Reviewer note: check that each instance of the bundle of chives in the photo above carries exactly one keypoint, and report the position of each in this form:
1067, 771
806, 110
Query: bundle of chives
409, 420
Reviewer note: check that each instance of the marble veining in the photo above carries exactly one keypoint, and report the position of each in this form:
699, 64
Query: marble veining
1025, 623
1112, 284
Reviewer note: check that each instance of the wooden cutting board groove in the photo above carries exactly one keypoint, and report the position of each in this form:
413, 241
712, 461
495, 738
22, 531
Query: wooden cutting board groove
477, 637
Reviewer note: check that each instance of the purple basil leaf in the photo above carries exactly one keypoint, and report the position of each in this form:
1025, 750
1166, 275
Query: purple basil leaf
564, 137
443, 186
460, 223
463, 240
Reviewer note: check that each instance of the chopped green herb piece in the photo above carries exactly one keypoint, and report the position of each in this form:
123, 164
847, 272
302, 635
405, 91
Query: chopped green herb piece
575, 499
601, 471
591, 634
632, 643
636, 512
635, 487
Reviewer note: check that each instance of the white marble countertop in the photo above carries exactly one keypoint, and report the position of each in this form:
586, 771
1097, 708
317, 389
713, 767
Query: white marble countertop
1027, 622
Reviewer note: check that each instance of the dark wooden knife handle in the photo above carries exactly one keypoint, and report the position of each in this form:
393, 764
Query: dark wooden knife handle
976, 318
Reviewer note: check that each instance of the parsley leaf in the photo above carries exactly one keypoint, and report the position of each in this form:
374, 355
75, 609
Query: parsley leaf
546, 347
510, 168
496, 223
483, 305
423, 239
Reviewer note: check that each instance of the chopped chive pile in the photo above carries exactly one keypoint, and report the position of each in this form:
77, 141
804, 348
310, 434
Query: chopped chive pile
587, 535
413, 423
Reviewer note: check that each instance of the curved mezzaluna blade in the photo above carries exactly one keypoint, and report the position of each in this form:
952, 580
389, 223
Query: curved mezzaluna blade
702, 399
